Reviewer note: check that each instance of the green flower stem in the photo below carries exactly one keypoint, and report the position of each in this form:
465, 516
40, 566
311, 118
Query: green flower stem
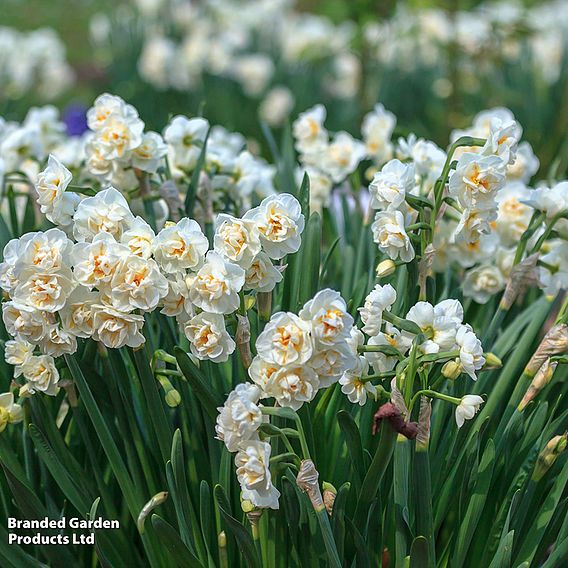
379, 376
290, 415
432, 394
441, 181
534, 223
548, 230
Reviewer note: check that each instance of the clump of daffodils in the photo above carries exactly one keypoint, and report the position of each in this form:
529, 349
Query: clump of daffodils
104, 268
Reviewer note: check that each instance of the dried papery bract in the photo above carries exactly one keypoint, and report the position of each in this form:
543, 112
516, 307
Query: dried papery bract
242, 339
555, 342
522, 276
307, 481
423, 435
541, 379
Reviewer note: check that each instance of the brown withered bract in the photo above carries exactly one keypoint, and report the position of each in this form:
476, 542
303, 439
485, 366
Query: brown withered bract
389, 412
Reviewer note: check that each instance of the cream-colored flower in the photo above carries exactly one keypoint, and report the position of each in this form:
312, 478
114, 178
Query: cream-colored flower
139, 238
286, 340
331, 363
390, 234
240, 417
260, 371
41, 374
377, 129
177, 302
391, 185
477, 179
309, 132
327, 312
149, 155
379, 299
180, 247
357, 390
77, 315
44, 252
280, 223
471, 352
513, 214
55, 203
25, 321
262, 275
107, 212
237, 240
291, 386
208, 337
45, 292
58, 341
95, 263
483, 282
391, 337
116, 329
342, 156
217, 284
467, 408
10, 412
137, 283
252, 461
17, 352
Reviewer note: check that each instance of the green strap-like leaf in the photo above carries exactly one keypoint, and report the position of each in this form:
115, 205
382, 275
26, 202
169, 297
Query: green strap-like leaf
169, 537
201, 386
241, 535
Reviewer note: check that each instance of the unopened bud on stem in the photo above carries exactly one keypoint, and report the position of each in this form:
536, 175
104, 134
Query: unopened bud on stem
452, 369
541, 379
549, 455
385, 268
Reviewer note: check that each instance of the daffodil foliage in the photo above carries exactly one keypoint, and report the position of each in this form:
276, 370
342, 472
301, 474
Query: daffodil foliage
350, 354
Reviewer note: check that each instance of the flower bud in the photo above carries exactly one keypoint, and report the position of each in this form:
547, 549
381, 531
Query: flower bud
222, 540
385, 268
329, 494
541, 379
173, 398
158, 499
555, 342
452, 369
549, 455
492, 361
247, 506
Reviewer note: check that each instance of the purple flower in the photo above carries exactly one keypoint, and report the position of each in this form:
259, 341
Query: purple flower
75, 118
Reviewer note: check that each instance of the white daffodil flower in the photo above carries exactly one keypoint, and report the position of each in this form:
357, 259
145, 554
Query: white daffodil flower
180, 247
379, 299
280, 223
115, 329
252, 463
356, 390
262, 275
240, 417
286, 340
327, 312
10, 412
391, 184
471, 351
217, 284
106, 212
467, 408
390, 234
208, 337
41, 374
137, 283
237, 240
17, 352
293, 385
